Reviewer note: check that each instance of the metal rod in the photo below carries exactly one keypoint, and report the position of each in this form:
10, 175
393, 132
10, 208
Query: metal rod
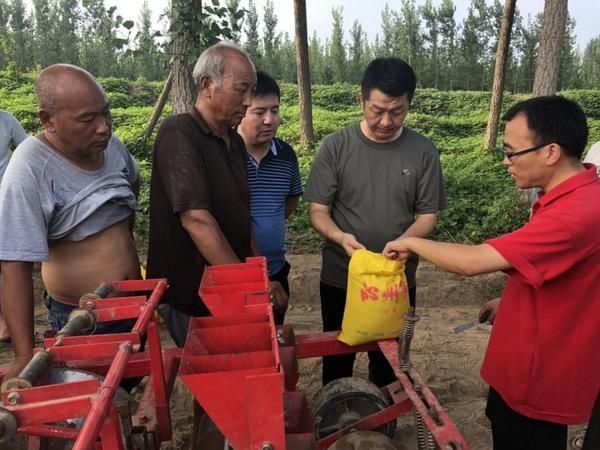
110, 433
103, 290
444, 432
158, 381
101, 407
142, 322
34, 369
79, 321
49, 431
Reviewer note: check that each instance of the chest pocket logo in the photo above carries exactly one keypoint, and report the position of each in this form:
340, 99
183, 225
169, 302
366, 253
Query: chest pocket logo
61, 193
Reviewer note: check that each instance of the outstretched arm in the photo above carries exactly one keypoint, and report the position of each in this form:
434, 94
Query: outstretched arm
462, 259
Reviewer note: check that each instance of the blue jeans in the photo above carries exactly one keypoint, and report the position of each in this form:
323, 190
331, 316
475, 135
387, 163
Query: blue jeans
58, 316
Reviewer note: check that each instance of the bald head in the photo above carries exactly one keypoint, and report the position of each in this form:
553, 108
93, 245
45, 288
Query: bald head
59, 82
213, 61
74, 112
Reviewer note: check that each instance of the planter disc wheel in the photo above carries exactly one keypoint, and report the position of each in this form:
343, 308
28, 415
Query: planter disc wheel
364, 440
345, 401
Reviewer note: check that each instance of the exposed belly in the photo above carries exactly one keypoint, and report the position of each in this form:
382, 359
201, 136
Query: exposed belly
76, 268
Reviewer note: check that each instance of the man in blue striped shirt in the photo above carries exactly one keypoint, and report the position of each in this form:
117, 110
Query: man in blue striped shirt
275, 186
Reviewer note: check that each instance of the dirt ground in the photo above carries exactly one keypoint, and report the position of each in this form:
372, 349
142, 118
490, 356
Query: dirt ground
448, 362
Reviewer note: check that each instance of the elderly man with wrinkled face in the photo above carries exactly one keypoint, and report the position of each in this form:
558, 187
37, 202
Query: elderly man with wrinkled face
199, 197
68, 199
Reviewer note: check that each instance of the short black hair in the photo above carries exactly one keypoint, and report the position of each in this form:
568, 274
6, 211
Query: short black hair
392, 76
554, 118
266, 85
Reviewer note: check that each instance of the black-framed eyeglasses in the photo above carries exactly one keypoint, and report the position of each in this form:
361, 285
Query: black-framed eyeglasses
511, 155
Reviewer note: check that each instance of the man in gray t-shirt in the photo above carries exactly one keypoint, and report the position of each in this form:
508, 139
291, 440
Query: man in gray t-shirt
68, 199
372, 182
11, 132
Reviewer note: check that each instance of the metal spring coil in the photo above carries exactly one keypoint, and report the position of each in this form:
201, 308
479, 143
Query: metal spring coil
421, 431
431, 444
406, 337
425, 440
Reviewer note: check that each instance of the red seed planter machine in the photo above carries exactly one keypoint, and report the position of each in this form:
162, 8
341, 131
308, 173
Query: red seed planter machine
240, 367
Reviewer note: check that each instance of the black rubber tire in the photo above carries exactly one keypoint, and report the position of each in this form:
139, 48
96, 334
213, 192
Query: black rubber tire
345, 401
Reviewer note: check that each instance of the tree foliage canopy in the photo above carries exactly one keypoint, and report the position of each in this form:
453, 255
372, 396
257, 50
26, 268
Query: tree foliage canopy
446, 53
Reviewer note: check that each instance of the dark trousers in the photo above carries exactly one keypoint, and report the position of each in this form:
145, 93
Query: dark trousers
177, 323
514, 431
282, 277
592, 435
333, 301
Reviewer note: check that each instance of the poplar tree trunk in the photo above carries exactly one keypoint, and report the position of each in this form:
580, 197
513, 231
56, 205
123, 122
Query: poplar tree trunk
548, 66
160, 104
551, 43
303, 73
184, 86
499, 75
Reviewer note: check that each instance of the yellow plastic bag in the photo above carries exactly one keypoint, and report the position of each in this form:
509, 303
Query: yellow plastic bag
376, 300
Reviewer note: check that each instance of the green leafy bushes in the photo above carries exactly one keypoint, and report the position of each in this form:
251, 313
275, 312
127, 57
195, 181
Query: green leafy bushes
125, 93
324, 122
442, 127
142, 222
482, 199
588, 99
335, 97
115, 84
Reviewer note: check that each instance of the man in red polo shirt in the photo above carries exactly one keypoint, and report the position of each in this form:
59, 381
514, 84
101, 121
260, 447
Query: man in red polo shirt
542, 360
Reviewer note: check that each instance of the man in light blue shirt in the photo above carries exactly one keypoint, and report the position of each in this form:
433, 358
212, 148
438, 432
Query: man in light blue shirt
275, 186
